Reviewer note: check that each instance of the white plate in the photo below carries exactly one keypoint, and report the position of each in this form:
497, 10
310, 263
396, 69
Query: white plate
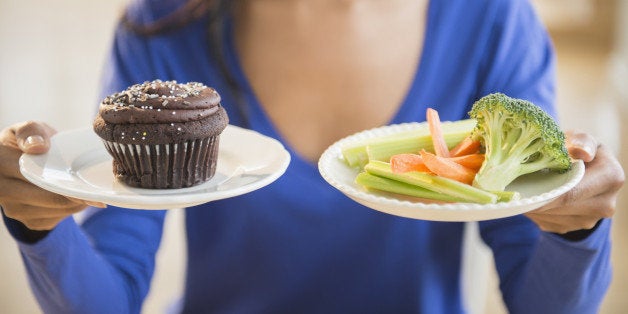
536, 189
78, 165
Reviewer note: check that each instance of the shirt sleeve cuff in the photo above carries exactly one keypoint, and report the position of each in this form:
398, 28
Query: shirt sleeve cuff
31, 239
20, 232
586, 239
54, 242
579, 235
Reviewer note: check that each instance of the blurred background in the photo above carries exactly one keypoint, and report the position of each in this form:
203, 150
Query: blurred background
50, 61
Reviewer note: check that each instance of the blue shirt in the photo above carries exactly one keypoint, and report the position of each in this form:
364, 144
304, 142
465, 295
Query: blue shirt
300, 246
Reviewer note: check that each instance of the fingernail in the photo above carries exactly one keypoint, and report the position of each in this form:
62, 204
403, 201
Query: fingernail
33, 140
580, 145
589, 150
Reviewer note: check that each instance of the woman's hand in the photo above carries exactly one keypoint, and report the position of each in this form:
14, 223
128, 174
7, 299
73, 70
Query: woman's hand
593, 198
36, 208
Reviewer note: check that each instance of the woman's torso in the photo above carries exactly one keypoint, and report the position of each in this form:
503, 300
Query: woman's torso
298, 245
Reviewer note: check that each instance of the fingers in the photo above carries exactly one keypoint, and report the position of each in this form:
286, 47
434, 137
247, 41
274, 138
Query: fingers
24, 212
37, 208
28, 137
581, 145
33, 137
37, 218
563, 224
593, 198
88, 203
24, 192
9, 167
604, 176
601, 206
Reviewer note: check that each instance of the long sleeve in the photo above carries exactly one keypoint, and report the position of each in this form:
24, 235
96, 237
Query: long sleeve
539, 272
566, 277
105, 266
544, 273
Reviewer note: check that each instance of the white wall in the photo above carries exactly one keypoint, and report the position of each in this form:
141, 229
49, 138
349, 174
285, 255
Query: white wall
50, 59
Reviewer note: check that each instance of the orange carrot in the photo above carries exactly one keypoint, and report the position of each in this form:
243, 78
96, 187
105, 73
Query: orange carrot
471, 161
465, 147
447, 168
440, 146
401, 163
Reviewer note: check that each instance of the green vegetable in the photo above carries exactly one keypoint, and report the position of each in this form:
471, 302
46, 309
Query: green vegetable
459, 192
507, 196
518, 138
388, 185
413, 141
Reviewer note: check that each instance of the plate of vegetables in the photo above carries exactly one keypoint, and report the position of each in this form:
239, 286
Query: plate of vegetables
508, 158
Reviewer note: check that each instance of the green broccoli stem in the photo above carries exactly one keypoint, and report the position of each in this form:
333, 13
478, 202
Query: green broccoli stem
536, 165
501, 167
496, 176
508, 159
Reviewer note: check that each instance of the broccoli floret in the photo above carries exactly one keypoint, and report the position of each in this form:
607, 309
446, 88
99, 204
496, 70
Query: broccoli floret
518, 138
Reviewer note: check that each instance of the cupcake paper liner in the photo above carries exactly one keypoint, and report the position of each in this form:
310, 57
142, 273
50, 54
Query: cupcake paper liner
165, 166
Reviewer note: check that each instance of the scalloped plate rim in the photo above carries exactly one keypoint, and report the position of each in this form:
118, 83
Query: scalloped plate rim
432, 211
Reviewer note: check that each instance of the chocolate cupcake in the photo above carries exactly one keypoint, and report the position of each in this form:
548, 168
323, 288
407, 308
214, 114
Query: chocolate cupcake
162, 134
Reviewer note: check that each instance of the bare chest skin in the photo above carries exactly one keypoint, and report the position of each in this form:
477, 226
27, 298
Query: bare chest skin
325, 69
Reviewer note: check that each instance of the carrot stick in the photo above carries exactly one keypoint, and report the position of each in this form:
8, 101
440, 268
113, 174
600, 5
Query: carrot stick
440, 146
401, 163
447, 168
471, 161
465, 147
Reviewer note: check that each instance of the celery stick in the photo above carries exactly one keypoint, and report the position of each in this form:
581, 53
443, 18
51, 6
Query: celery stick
506, 196
384, 184
356, 156
383, 151
438, 184
412, 141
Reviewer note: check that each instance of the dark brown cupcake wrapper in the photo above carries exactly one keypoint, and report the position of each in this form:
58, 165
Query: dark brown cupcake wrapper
165, 166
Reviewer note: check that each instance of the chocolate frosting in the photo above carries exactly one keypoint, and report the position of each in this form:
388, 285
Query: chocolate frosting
160, 102
161, 112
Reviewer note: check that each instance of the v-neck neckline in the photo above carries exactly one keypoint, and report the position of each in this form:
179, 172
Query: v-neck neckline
260, 121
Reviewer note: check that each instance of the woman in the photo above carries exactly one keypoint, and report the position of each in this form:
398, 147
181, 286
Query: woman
309, 73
